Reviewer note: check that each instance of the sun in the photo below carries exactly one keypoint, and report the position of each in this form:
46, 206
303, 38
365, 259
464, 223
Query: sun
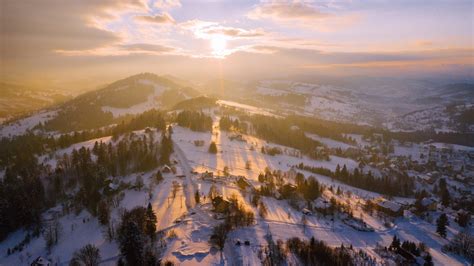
218, 45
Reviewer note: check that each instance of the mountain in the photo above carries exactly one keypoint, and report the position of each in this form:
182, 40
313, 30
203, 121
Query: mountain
389, 103
129, 96
17, 99
111, 104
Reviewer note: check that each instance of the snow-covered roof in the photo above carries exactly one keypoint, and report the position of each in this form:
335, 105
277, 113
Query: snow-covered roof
427, 201
40, 261
393, 206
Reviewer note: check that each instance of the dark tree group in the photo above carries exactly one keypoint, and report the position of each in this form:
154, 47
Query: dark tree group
136, 234
314, 252
194, 120
28, 187
397, 185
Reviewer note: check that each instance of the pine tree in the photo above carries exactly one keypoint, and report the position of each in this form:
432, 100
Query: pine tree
337, 173
212, 148
395, 243
344, 172
166, 148
150, 222
445, 198
262, 210
441, 223
103, 213
131, 243
197, 197
428, 260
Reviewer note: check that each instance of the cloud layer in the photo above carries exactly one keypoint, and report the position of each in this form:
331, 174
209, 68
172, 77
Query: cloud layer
48, 37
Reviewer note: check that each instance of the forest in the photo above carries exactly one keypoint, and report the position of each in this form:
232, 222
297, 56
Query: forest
400, 185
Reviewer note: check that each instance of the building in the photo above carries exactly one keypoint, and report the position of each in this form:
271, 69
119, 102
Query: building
166, 169
207, 175
390, 207
40, 261
429, 203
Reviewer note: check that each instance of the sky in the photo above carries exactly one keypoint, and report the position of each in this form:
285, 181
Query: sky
91, 42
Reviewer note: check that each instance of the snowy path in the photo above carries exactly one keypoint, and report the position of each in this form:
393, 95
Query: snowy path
189, 185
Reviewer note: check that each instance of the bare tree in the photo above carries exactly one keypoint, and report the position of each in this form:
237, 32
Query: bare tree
89, 255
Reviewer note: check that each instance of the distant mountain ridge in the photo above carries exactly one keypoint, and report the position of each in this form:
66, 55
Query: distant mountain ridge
128, 96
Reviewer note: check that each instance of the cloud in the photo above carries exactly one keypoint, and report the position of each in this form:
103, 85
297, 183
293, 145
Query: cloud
287, 11
207, 29
38, 28
423, 43
147, 48
302, 14
166, 4
264, 49
196, 24
232, 32
163, 18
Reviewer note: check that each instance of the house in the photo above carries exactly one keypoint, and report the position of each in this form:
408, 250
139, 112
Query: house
166, 169
426, 178
207, 175
390, 207
242, 183
237, 137
288, 191
220, 205
40, 261
429, 203
322, 203
199, 143
291, 174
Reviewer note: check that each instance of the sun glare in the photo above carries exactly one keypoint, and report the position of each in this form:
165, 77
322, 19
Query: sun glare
218, 45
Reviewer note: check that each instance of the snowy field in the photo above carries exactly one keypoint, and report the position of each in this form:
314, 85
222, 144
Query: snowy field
21, 126
192, 223
149, 104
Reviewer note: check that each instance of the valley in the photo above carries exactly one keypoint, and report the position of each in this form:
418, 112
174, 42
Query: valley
146, 166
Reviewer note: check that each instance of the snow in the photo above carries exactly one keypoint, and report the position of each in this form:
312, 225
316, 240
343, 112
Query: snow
192, 223
248, 108
73, 228
20, 127
456, 147
269, 91
329, 142
235, 154
395, 207
149, 104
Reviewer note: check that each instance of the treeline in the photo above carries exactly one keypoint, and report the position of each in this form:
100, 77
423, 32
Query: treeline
151, 118
226, 123
291, 98
336, 131
328, 129
396, 185
22, 192
235, 216
81, 116
308, 189
194, 120
196, 103
22, 196
136, 236
85, 111
129, 155
466, 139
281, 131
314, 252
39, 144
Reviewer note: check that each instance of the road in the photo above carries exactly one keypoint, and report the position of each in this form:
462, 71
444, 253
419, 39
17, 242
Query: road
189, 187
